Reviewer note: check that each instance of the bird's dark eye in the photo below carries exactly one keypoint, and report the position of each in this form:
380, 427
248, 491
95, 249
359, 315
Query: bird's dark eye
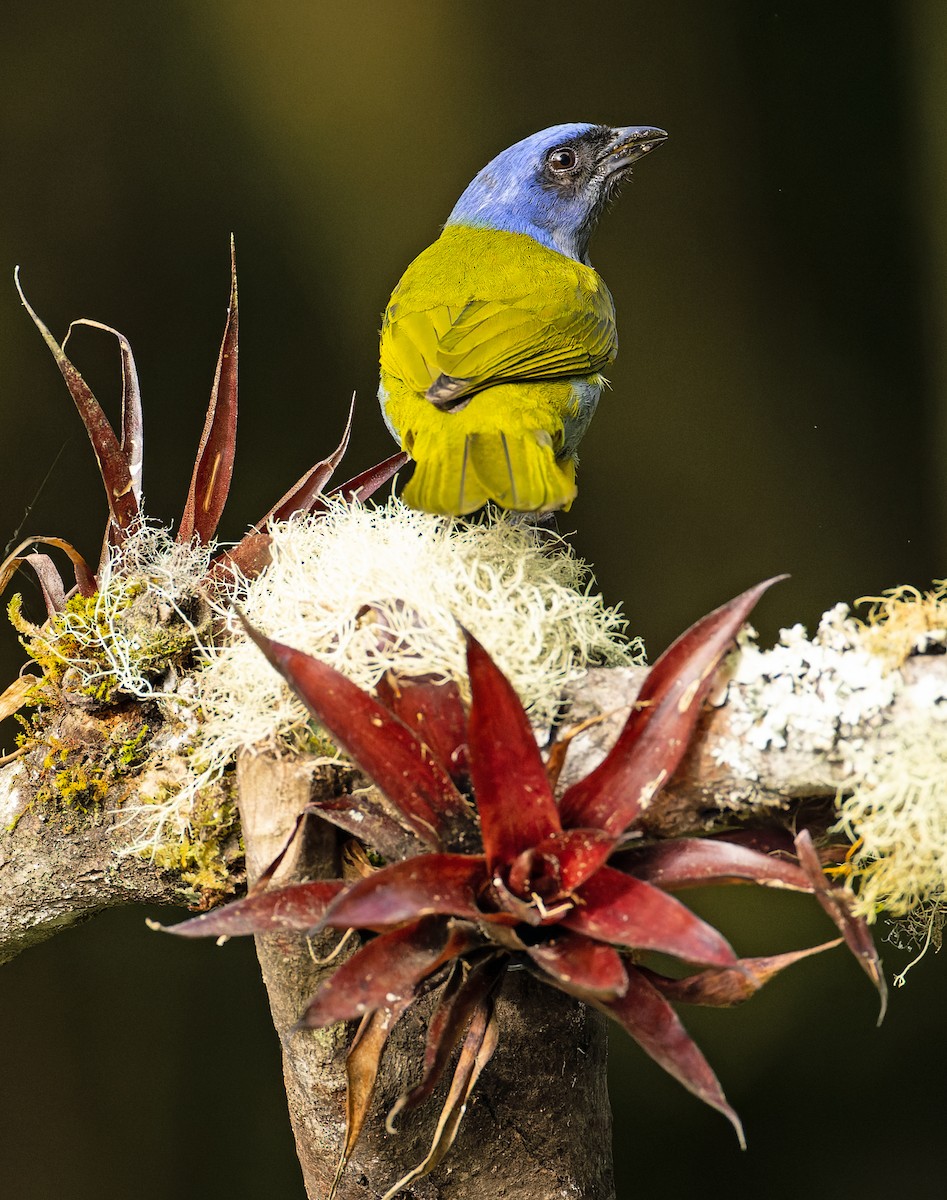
563, 159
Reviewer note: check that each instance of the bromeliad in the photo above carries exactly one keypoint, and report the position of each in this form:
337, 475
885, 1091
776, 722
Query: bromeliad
487, 869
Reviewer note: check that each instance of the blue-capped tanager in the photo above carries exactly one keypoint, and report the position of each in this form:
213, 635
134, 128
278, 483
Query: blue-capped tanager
493, 342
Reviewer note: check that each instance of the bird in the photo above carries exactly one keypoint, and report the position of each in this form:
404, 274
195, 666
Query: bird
494, 340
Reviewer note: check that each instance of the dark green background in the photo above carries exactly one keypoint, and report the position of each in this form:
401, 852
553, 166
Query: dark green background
777, 405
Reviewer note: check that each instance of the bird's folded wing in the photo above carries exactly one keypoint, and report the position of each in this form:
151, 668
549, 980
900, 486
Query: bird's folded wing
485, 342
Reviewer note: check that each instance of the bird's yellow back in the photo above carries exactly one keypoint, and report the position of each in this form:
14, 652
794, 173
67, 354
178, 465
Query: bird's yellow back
521, 333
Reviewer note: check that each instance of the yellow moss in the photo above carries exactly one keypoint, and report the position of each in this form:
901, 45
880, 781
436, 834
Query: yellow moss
903, 621
207, 853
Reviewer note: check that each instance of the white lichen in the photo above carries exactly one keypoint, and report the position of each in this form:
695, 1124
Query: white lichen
370, 590
881, 729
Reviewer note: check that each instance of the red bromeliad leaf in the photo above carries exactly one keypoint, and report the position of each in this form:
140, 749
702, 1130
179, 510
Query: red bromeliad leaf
113, 464
578, 852
464, 992
387, 969
373, 819
514, 799
476, 1052
695, 862
305, 492
614, 907
298, 906
366, 483
838, 905
586, 968
210, 482
435, 713
657, 1029
662, 721
431, 883
723, 987
385, 749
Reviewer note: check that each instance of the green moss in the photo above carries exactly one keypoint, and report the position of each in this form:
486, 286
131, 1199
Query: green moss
207, 856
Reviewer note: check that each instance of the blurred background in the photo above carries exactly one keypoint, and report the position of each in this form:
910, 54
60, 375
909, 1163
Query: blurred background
780, 274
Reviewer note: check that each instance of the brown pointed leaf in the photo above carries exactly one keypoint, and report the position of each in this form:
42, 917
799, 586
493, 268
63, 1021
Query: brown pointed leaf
360, 487
696, 862
385, 749
374, 820
15, 694
657, 1029
213, 468
298, 906
477, 1050
662, 722
386, 970
50, 582
436, 714
514, 799
132, 443
723, 987
302, 496
586, 968
361, 1069
430, 883
113, 464
464, 992
614, 907
837, 903
85, 580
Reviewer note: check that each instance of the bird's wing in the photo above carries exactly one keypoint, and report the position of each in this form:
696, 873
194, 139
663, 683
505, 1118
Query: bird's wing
449, 352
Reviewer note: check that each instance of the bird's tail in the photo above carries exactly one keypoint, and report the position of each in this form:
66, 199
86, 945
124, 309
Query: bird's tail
516, 470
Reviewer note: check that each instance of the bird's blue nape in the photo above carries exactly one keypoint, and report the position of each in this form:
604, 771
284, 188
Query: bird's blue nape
509, 194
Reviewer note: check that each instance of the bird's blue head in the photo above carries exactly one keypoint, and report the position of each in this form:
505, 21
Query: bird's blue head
555, 184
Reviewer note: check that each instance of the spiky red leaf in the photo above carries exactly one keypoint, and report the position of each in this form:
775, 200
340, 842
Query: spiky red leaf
386, 970
113, 464
417, 887
661, 724
385, 749
837, 903
213, 468
367, 482
648, 1017
302, 496
696, 862
578, 852
514, 799
586, 968
298, 906
436, 714
723, 987
614, 907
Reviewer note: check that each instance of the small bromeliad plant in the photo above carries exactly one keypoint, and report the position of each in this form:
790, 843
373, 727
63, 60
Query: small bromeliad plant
485, 869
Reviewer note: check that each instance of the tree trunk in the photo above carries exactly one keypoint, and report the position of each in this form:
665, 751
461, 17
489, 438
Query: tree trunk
539, 1123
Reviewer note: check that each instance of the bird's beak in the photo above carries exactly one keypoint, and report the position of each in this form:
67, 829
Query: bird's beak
630, 144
